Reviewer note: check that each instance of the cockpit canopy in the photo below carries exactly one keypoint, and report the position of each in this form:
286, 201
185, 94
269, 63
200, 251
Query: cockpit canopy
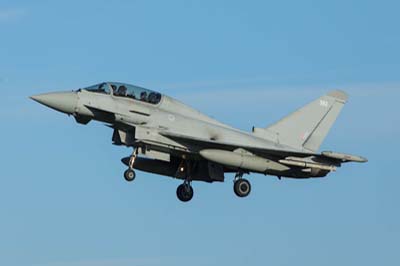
127, 91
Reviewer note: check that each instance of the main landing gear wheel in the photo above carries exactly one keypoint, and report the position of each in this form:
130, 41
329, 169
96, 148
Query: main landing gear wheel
129, 175
242, 187
184, 192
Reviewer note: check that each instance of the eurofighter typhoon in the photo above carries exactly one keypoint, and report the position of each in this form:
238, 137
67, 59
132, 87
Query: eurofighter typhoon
172, 139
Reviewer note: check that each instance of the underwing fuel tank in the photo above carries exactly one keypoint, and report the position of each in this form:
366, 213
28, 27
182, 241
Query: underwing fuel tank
242, 159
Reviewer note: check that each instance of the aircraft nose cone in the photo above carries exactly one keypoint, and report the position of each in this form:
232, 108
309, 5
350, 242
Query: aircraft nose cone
61, 101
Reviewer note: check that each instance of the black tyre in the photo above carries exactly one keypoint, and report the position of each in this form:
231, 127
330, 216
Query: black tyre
184, 192
242, 188
129, 175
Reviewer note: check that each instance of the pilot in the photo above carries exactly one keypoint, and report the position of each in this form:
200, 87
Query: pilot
143, 96
121, 90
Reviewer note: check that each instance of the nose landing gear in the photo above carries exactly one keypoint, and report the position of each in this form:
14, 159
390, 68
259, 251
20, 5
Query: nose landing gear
129, 173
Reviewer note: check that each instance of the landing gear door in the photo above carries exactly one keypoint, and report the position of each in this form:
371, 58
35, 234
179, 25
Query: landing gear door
216, 171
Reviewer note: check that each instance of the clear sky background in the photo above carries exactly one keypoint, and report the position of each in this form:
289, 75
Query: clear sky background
63, 200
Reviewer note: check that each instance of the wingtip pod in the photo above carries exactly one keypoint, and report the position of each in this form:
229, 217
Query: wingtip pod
339, 94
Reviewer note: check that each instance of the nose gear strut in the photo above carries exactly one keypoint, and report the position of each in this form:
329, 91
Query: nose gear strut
129, 173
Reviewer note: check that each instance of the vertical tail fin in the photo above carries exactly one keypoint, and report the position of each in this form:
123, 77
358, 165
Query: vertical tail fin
307, 127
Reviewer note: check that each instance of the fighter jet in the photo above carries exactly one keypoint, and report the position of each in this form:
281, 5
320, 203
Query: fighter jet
172, 139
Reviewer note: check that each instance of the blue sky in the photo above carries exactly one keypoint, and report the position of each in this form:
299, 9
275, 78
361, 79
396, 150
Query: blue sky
63, 200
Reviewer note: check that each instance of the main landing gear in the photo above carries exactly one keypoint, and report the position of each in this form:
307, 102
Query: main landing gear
129, 173
184, 192
241, 186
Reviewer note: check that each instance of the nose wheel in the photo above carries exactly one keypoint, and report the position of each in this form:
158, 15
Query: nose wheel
184, 192
129, 175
